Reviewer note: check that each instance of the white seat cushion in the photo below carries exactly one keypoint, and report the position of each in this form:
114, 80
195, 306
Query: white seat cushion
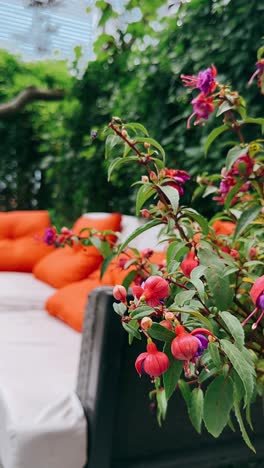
22, 291
42, 423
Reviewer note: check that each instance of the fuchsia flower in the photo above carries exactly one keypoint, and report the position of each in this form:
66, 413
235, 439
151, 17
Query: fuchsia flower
187, 346
202, 106
204, 81
50, 235
178, 177
257, 296
153, 362
259, 73
153, 290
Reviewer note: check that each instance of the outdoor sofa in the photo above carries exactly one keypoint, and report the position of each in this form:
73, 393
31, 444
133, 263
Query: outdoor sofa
71, 400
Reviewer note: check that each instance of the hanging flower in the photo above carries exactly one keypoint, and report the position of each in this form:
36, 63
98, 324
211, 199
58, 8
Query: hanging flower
259, 73
202, 107
185, 346
153, 362
204, 81
257, 296
178, 177
152, 291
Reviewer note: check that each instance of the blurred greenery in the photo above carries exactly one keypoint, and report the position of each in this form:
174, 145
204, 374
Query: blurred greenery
48, 158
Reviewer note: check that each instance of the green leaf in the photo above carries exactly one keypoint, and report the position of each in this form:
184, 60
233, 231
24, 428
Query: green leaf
172, 195
235, 153
196, 409
195, 280
182, 297
235, 328
161, 333
119, 308
117, 162
203, 223
218, 402
246, 219
129, 278
110, 142
138, 231
175, 251
130, 328
143, 194
137, 126
213, 135
154, 143
224, 107
172, 375
106, 263
215, 355
162, 406
219, 286
245, 371
257, 121
186, 392
242, 426
142, 311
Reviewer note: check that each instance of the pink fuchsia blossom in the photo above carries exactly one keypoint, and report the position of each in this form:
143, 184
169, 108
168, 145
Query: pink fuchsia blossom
259, 73
119, 293
153, 362
152, 291
202, 107
204, 81
178, 177
185, 346
50, 235
257, 296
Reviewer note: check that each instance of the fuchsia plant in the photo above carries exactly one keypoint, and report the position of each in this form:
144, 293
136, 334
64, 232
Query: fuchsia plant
205, 304
199, 303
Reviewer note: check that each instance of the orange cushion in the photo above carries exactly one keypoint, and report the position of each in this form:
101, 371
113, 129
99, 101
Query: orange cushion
68, 304
16, 224
112, 221
22, 254
223, 227
67, 265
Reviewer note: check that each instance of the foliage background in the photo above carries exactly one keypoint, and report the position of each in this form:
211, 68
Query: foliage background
48, 159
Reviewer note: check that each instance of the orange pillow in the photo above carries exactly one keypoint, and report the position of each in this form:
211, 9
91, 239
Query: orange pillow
16, 224
22, 254
111, 221
223, 227
68, 304
67, 265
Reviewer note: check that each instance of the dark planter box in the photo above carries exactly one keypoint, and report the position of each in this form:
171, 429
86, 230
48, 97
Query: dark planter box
122, 432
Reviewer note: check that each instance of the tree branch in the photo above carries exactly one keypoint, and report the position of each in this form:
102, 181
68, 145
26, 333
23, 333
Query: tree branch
29, 94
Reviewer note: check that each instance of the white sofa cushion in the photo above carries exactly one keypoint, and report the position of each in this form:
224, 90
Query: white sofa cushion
21, 291
42, 423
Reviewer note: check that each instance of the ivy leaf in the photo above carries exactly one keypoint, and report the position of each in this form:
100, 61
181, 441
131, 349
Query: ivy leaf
243, 368
196, 409
245, 219
160, 333
172, 195
143, 194
213, 135
218, 402
138, 231
235, 328
172, 375
235, 153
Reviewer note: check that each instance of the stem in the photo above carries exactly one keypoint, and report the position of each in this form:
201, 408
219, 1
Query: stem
236, 126
125, 139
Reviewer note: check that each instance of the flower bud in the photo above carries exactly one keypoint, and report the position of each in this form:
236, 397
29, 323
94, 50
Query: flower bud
153, 362
147, 145
167, 324
119, 293
147, 253
189, 263
146, 323
185, 346
146, 214
124, 133
169, 316
145, 179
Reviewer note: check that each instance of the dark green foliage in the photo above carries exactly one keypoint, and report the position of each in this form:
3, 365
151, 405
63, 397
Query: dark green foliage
136, 83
